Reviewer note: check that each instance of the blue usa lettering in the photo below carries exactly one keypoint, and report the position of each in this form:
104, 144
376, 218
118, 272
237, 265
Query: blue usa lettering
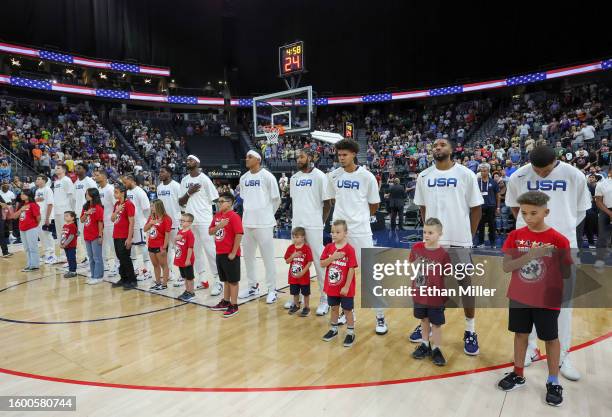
547, 185
251, 183
442, 182
303, 183
348, 184
163, 192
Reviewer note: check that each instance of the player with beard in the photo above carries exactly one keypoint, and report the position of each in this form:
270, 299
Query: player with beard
169, 192
107, 196
449, 192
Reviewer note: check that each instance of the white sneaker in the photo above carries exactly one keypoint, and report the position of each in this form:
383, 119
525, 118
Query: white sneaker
202, 285
179, 282
216, 289
143, 275
381, 325
249, 292
271, 298
533, 354
91, 281
50, 260
288, 305
568, 370
599, 264
322, 309
341, 319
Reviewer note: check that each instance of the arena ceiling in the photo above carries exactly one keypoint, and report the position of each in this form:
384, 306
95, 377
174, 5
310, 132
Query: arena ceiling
351, 46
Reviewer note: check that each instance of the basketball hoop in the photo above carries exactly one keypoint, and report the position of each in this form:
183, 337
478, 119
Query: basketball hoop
273, 132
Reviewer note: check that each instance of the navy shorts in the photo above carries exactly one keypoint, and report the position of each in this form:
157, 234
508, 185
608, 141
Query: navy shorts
521, 319
347, 303
296, 289
434, 314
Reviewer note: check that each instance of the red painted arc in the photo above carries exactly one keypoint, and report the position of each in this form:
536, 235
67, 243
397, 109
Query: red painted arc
280, 389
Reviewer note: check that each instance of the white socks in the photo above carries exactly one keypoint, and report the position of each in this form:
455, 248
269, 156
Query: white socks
470, 325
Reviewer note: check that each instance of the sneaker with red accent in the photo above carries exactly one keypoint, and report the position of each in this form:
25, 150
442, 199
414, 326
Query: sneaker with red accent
533, 354
202, 285
231, 311
221, 305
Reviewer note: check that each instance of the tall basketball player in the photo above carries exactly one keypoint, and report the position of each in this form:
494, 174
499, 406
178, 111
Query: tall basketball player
261, 198
198, 196
450, 193
44, 198
569, 199
169, 192
310, 208
63, 196
81, 185
142, 206
107, 196
356, 199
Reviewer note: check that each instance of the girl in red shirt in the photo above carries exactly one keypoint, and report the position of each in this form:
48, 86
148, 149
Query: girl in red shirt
29, 217
123, 230
92, 216
158, 227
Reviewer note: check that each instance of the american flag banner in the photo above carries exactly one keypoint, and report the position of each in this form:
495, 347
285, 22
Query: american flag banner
182, 100
16, 49
86, 62
119, 66
74, 89
147, 97
344, 100
55, 56
321, 101
155, 71
211, 100
580, 69
5, 79
409, 94
607, 64
245, 102
29, 83
526, 79
100, 92
453, 89
375, 98
486, 85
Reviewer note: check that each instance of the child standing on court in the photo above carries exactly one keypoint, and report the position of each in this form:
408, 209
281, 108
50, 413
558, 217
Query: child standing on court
299, 257
340, 262
68, 242
29, 218
539, 259
226, 227
158, 228
184, 256
430, 308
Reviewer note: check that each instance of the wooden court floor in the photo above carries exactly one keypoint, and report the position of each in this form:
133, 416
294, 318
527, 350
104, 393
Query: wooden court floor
66, 329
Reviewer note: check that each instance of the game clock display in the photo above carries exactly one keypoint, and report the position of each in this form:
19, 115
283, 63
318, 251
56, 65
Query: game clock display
291, 59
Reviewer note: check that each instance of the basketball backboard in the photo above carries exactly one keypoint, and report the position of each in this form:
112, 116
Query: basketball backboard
291, 109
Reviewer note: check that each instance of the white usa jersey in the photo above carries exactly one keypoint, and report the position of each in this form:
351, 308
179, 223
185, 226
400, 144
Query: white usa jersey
63, 194
261, 199
200, 203
308, 191
568, 191
44, 197
169, 195
80, 188
139, 198
107, 195
448, 196
353, 192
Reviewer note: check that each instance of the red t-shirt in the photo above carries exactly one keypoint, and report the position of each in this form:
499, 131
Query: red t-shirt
122, 222
184, 241
27, 218
90, 225
224, 238
337, 272
298, 264
430, 275
67, 231
538, 283
157, 232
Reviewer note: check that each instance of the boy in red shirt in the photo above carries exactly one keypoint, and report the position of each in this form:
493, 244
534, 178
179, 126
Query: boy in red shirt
340, 262
539, 259
184, 256
429, 256
299, 256
68, 242
226, 227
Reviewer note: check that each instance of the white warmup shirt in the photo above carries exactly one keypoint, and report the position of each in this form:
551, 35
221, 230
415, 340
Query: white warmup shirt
44, 197
261, 199
604, 189
63, 194
448, 195
353, 192
200, 203
169, 195
107, 195
139, 198
568, 191
80, 187
308, 191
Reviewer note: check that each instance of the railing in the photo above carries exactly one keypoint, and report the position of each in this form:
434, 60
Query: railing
120, 114
18, 166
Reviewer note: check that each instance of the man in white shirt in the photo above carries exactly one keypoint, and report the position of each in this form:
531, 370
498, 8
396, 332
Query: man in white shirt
449, 192
81, 185
198, 195
107, 196
169, 192
63, 196
44, 198
569, 200
261, 198
310, 209
139, 198
588, 132
354, 191
603, 200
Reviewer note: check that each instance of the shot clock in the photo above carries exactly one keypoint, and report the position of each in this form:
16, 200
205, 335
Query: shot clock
291, 59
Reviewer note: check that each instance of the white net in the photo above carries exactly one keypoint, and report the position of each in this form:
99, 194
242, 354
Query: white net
272, 133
